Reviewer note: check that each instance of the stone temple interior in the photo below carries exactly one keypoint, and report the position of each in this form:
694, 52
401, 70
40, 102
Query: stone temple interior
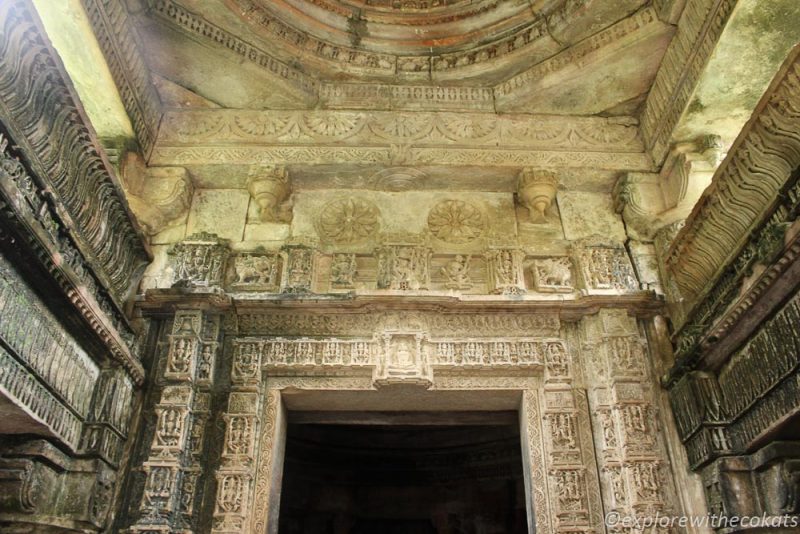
399, 266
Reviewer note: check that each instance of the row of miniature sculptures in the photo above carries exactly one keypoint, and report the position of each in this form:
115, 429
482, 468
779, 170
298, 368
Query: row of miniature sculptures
204, 260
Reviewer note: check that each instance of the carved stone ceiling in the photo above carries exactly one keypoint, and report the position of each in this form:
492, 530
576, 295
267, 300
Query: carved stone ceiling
578, 57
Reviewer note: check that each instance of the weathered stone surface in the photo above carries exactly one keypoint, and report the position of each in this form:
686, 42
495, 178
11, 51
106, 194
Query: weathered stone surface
397, 208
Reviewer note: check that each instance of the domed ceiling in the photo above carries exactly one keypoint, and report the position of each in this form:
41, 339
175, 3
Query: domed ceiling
534, 56
443, 40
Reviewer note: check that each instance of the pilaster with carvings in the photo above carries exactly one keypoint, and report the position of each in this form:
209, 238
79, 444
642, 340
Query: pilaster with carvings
628, 436
172, 473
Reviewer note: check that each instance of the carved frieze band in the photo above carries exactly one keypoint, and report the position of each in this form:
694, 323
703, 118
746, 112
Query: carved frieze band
202, 260
382, 128
721, 413
46, 121
22, 388
390, 154
38, 340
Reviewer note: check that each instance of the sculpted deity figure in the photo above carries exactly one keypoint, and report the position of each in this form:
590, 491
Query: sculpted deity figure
404, 354
343, 270
457, 273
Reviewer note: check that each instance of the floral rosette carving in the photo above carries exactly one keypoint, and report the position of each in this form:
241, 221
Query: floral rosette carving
455, 221
348, 220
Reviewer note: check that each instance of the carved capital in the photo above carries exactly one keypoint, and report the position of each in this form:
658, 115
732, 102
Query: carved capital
650, 201
269, 187
163, 195
536, 191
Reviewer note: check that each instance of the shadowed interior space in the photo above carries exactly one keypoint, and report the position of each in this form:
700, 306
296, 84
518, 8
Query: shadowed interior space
403, 478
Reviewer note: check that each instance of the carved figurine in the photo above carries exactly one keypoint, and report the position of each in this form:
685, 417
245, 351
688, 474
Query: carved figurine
343, 270
457, 273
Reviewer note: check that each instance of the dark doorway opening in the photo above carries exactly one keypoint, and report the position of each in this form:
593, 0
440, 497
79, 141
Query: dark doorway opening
454, 478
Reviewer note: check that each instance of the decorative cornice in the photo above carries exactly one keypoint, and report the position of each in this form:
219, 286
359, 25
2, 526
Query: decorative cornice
276, 137
620, 30
744, 187
198, 27
406, 97
111, 25
699, 29
47, 122
38, 231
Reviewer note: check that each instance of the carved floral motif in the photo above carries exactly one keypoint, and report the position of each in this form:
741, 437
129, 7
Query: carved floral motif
456, 221
348, 220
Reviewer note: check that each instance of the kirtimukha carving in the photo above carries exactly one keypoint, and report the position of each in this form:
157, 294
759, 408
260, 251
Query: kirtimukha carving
403, 267
456, 271
348, 221
200, 261
456, 221
270, 188
343, 270
536, 191
553, 275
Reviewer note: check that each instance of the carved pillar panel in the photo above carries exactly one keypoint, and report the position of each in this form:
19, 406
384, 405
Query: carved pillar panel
300, 269
403, 267
604, 268
636, 481
173, 468
200, 261
506, 272
235, 473
572, 478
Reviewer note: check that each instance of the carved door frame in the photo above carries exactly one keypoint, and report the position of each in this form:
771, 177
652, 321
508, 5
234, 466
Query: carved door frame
540, 466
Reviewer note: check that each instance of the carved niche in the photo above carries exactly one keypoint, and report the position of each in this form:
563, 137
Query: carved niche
552, 275
256, 272
605, 267
343, 271
403, 267
506, 275
200, 261
300, 262
456, 272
